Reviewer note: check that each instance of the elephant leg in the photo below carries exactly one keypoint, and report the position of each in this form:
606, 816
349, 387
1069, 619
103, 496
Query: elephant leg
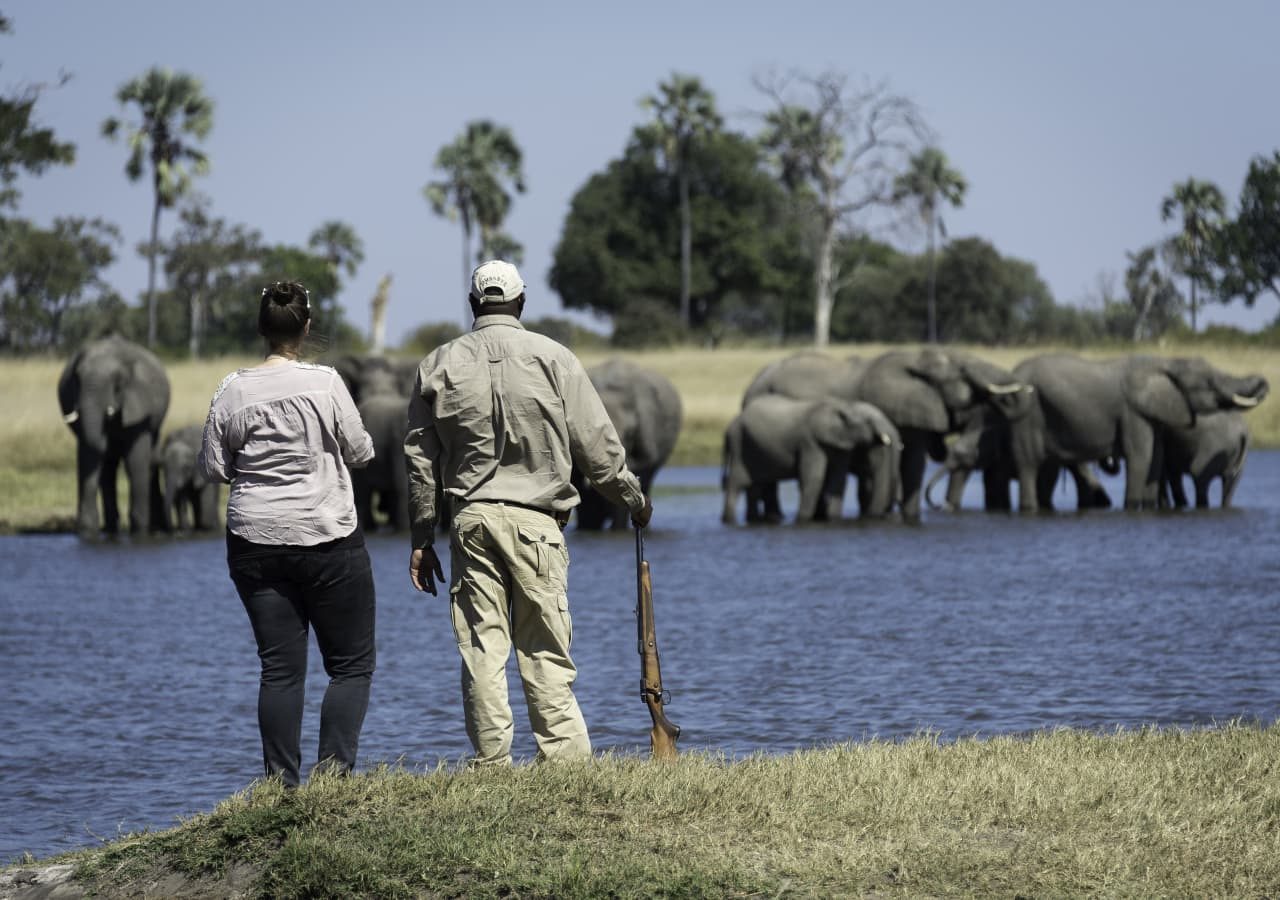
142, 488
1046, 481
1089, 491
1202, 490
1144, 467
956, 483
88, 485
833, 488
363, 494
1178, 490
207, 500
110, 499
813, 476
912, 469
770, 503
996, 495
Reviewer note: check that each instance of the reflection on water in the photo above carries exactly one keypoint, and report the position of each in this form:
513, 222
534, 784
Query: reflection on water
132, 674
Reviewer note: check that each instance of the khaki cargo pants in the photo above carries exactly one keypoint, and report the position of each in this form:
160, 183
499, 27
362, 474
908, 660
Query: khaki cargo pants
509, 586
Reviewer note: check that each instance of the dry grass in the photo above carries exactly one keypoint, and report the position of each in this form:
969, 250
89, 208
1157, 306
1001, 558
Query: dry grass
37, 452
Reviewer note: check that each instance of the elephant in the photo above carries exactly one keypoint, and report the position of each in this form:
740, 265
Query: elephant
807, 375
384, 411
929, 393
114, 396
646, 411
1120, 408
190, 498
984, 445
816, 442
358, 371
1214, 447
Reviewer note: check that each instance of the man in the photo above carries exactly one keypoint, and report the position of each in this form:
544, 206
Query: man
498, 417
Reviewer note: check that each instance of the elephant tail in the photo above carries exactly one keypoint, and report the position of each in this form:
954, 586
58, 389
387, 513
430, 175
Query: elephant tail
928, 489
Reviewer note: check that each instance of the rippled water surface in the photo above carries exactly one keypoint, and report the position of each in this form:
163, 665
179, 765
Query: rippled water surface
130, 673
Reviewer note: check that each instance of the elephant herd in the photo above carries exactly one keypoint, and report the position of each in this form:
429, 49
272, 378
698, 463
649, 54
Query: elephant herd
114, 396
1161, 419
809, 417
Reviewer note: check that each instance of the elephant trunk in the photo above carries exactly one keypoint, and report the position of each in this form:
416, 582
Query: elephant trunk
937, 476
92, 423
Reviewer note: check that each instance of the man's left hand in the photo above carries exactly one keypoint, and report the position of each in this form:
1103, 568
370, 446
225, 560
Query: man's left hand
425, 570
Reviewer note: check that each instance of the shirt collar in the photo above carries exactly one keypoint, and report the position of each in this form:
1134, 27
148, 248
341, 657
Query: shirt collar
488, 321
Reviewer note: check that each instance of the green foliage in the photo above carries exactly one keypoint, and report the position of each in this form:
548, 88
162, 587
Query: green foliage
479, 167
171, 106
567, 332
24, 145
648, 323
425, 338
621, 238
339, 244
46, 274
1247, 249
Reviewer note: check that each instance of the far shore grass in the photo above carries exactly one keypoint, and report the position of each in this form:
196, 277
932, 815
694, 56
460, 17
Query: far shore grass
1143, 813
37, 452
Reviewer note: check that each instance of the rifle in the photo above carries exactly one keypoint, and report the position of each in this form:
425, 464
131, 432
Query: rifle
662, 737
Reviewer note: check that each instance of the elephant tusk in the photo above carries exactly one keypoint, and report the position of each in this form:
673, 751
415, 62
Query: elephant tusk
1246, 402
111, 411
885, 439
1004, 388
71, 416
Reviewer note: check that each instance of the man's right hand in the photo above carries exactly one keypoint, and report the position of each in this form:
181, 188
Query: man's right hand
641, 518
424, 569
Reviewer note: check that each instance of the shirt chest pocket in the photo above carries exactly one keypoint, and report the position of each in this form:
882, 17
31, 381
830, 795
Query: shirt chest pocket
543, 549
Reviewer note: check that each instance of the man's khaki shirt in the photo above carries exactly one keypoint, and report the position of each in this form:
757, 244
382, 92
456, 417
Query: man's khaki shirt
502, 413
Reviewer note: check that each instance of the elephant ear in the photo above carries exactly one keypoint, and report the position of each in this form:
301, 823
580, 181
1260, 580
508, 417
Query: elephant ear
836, 425
69, 386
138, 395
648, 416
1157, 397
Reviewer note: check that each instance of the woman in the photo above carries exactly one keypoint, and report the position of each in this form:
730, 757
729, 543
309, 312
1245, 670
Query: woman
284, 434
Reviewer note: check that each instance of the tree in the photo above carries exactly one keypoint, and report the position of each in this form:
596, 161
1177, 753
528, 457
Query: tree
838, 155
479, 166
1246, 250
614, 253
338, 243
209, 263
928, 181
1155, 300
24, 146
46, 273
171, 107
685, 112
1202, 207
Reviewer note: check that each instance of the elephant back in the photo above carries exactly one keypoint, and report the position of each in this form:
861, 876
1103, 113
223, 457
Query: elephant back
807, 375
650, 400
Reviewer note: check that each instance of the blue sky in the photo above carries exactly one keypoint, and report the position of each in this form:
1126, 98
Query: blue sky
1070, 121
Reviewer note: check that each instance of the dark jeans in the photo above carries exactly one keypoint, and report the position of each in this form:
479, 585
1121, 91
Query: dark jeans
285, 590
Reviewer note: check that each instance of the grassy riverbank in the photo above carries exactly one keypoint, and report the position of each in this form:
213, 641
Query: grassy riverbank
1135, 814
37, 452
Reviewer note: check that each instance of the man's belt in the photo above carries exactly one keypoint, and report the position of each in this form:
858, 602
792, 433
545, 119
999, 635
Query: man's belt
561, 517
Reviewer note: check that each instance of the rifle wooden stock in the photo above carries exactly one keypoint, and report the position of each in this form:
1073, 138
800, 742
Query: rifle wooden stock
662, 737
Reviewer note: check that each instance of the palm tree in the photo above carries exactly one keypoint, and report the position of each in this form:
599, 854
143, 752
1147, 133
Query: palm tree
479, 165
171, 105
928, 181
685, 111
1202, 206
339, 244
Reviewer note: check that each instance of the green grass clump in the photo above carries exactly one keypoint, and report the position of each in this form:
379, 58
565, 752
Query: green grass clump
1149, 813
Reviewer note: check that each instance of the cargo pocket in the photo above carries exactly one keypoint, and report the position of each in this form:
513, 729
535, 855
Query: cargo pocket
544, 551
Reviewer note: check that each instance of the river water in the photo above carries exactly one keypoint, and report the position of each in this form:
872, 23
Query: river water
130, 674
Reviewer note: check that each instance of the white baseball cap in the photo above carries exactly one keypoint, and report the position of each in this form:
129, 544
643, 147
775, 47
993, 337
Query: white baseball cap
496, 281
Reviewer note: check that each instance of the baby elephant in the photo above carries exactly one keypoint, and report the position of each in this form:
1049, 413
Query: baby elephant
817, 442
190, 499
